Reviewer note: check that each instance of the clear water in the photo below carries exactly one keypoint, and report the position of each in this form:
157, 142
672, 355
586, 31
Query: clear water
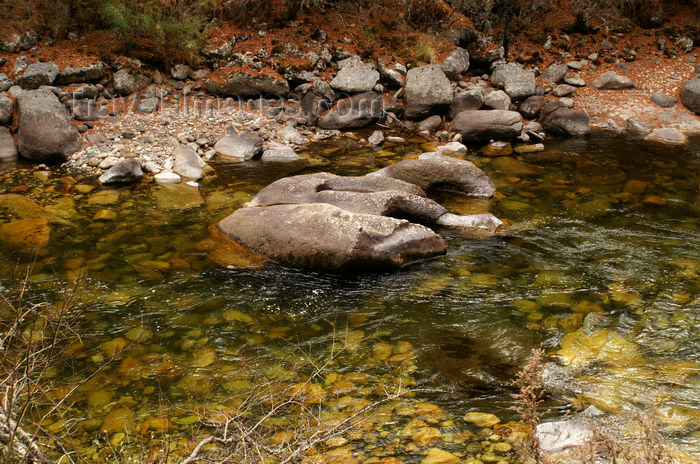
602, 225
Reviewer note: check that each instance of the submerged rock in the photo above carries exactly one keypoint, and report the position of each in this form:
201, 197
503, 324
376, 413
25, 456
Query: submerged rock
325, 237
28, 235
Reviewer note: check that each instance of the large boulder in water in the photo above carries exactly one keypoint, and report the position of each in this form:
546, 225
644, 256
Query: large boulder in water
441, 172
325, 237
44, 127
428, 91
365, 195
488, 124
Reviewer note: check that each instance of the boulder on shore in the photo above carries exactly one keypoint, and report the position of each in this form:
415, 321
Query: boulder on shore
241, 84
612, 81
44, 127
488, 124
557, 118
353, 113
428, 91
325, 237
514, 80
690, 95
355, 77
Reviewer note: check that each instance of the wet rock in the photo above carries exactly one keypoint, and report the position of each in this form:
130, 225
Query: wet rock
325, 237
690, 95
531, 107
557, 439
126, 171
498, 148
438, 456
485, 221
278, 153
612, 81
179, 72
6, 108
71, 75
555, 73
25, 235
239, 147
663, 100
456, 63
355, 77
497, 100
667, 135
118, 420
481, 419
488, 124
514, 80
376, 139
126, 82
241, 84
557, 118
36, 75
466, 100
452, 147
44, 127
353, 113
187, 162
8, 150
5, 82
178, 197
167, 178
427, 91
514, 167
441, 172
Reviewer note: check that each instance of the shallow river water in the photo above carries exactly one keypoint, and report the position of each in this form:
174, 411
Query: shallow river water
599, 264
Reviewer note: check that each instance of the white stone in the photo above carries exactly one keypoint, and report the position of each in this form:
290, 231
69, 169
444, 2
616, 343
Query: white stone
167, 178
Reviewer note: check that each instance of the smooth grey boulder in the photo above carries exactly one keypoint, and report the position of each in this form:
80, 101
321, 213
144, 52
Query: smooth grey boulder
612, 81
187, 162
514, 80
376, 139
486, 222
5, 82
427, 91
663, 100
488, 124
241, 84
557, 118
667, 135
86, 91
72, 75
456, 63
8, 150
690, 95
353, 113
239, 147
301, 189
126, 171
355, 77
441, 172
324, 237
126, 83
466, 100
36, 75
531, 107
431, 123
497, 100
44, 127
278, 153
6, 109
555, 72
